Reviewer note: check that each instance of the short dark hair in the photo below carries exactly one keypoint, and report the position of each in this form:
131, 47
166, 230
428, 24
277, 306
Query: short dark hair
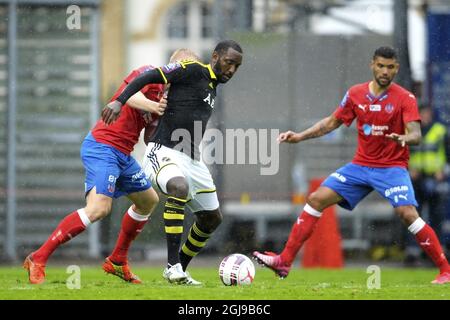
223, 46
385, 52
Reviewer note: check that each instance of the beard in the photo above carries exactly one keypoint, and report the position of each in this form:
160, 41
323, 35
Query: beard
383, 82
219, 74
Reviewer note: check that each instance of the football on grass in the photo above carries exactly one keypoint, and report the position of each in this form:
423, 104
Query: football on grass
236, 270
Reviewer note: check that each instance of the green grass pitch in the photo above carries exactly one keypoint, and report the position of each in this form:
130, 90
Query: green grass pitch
349, 283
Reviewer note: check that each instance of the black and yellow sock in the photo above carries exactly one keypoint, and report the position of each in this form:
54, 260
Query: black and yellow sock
173, 222
195, 242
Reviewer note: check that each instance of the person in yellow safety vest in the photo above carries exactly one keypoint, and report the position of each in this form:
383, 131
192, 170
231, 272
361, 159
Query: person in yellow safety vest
427, 167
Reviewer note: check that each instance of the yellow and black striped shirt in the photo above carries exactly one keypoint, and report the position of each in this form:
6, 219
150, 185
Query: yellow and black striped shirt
189, 104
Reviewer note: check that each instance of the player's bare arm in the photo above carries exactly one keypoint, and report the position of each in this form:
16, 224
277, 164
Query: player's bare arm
412, 137
319, 129
139, 101
111, 111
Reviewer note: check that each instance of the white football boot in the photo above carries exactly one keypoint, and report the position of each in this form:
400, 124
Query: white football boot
191, 281
175, 274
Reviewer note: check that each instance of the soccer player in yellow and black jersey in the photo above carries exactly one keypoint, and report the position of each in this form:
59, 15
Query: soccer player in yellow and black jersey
172, 158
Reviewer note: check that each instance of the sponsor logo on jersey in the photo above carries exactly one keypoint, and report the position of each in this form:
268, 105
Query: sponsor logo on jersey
138, 175
374, 130
400, 196
375, 107
396, 189
367, 129
339, 176
170, 67
389, 108
209, 100
362, 107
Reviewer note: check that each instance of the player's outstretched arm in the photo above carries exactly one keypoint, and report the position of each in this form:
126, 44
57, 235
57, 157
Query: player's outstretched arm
412, 137
319, 129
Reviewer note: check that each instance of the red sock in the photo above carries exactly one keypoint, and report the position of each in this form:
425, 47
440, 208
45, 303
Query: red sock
301, 231
68, 228
429, 242
132, 225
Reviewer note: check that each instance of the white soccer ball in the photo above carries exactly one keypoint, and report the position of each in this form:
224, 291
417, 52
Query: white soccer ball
236, 269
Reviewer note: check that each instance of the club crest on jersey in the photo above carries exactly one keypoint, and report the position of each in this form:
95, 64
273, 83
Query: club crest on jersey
111, 188
389, 108
170, 67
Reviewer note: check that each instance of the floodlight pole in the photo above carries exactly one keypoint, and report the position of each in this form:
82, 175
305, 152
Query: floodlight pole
401, 42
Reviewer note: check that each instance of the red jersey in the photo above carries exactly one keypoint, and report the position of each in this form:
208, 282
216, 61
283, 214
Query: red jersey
124, 133
377, 117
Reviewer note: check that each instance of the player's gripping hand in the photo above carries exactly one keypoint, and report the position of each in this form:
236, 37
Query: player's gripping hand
289, 137
400, 139
161, 108
111, 112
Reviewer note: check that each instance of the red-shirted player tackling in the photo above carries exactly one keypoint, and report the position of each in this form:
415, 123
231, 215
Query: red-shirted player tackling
110, 173
124, 133
387, 121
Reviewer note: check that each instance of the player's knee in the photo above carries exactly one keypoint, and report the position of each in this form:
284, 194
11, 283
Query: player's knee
153, 201
148, 204
97, 212
216, 219
315, 201
178, 187
209, 221
408, 214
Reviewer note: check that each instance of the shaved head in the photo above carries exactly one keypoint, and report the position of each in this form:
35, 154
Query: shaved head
184, 54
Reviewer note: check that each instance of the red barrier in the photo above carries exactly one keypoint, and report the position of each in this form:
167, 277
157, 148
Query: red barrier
323, 249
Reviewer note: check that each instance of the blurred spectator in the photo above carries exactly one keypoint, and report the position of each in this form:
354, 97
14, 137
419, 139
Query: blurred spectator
427, 165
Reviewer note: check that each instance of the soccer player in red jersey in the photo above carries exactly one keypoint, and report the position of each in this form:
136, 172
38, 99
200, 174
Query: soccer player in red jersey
110, 173
388, 122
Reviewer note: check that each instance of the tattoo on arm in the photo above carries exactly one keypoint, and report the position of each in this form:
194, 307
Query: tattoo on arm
321, 128
413, 127
413, 133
